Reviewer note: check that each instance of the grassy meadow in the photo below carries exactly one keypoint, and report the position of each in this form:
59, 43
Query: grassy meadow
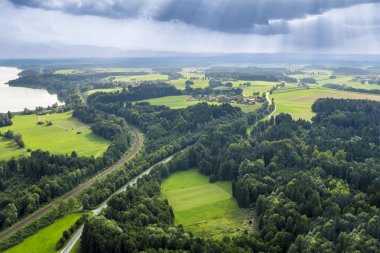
9, 149
46, 239
202, 207
297, 101
198, 83
61, 138
179, 102
111, 90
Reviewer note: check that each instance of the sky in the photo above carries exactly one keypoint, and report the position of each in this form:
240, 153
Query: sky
45, 28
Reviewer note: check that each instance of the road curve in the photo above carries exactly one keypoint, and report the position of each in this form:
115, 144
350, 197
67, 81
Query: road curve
97, 211
40, 212
270, 103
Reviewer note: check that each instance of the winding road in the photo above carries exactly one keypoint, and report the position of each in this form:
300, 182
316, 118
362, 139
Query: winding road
270, 103
40, 212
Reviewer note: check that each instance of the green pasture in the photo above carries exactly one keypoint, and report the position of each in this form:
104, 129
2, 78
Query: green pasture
111, 90
198, 83
67, 134
202, 207
46, 239
256, 86
298, 101
9, 149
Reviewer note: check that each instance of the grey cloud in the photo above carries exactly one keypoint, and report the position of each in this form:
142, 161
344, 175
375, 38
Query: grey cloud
231, 16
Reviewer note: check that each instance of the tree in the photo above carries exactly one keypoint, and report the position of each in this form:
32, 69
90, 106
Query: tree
9, 214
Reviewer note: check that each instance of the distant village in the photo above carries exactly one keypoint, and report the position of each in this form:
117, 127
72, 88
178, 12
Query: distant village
228, 99
370, 79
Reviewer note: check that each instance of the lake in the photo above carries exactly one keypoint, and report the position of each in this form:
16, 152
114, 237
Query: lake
15, 99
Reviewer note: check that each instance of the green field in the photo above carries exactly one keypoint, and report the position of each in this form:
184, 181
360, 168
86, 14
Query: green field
60, 138
111, 90
46, 239
150, 77
179, 102
201, 207
298, 101
256, 86
340, 79
9, 149
198, 83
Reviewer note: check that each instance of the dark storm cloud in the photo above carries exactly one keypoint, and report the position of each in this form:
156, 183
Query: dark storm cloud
232, 16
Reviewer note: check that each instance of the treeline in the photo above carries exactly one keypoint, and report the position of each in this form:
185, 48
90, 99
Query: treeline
143, 91
314, 187
6, 119
213, 91
242, 76
308, 80
105, 125
66, 235
352, 89
349, 71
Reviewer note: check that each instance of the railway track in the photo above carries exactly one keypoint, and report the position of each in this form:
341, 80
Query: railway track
42, 211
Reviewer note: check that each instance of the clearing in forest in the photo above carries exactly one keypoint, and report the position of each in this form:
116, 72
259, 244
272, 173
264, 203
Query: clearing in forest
66, 134
202, 207
297, 101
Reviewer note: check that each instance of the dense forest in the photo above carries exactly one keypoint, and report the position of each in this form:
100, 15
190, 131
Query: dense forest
143, 91
313, 186
166, 132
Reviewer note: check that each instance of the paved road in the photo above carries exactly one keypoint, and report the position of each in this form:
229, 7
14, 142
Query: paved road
40, 212
270, 103
97, 211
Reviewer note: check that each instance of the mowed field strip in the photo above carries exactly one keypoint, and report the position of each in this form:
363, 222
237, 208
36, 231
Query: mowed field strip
67, 134
203, 207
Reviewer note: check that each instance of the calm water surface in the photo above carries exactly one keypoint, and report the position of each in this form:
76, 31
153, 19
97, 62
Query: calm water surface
15, 99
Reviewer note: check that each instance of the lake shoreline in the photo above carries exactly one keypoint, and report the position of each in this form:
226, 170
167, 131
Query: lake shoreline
16, 98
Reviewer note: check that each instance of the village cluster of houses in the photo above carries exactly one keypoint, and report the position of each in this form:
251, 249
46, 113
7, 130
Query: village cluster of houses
366, 79
228, 99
